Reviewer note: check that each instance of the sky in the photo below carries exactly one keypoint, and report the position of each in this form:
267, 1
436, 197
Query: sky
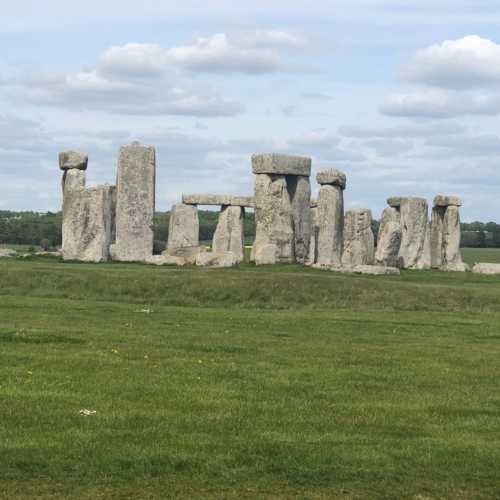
404, 97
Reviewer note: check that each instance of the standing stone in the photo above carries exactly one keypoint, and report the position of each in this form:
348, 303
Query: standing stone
88, 223
414, 227
330, 217
437, 220
183, 229
359, 241
229, 235
451, 240
135, 203
313, 242
273, 217
299, 189
389, 238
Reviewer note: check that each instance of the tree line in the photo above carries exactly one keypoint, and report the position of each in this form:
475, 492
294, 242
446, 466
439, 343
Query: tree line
44, 229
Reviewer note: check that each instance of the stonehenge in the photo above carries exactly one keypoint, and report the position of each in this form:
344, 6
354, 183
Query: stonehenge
117, 222
282, 207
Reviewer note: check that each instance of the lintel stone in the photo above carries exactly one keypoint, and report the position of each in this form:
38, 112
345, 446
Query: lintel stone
279, 164
394, 201
218, 199
442, 200
73, 159
331, 176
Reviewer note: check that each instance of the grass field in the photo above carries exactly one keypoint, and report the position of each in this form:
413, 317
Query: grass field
281, 382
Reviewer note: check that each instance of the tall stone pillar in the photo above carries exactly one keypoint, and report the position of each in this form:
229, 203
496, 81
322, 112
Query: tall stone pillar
313, 242
282, 211
135, 203
229, 236
359, 242
330, 217
88, 213
446, 234
389, 237
414, 252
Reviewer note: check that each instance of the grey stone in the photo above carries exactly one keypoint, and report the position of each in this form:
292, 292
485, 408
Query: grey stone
414, 226
229, 235
183, 229
437, 219
135, 203
330, 221
394, 201
167, 260
331, 176
359, 244
299, 190
424, 262
452, 257
486, 268
218, 199
274, 217
279, 164
216, 259
442, 200
389, 238
314, 202
187, 254
375, 270
73, 159
313, 242
265, 254
88, 223
73, 179
7, 252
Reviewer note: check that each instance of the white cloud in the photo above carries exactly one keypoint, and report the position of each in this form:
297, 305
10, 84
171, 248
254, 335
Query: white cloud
469, 62
404, 131
440, 104
480, 145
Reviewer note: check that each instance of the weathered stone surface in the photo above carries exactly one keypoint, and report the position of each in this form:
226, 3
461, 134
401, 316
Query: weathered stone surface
331, 176
216, 259
452, 257
7, 252
299, 190
424, 262
394, 201
229, 236
313, 242
183, 229
414, 225
330, 226
218, 199
279, 164
389, 238
167, 260
486, 268
73, 159
375, 270
88, 223
314, 202
442, 200
135, 203
265, 254
437, 219
73, 179
187, 254
274, 217
359, 242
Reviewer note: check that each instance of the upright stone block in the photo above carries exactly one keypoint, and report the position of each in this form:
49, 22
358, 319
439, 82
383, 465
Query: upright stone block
88, 223
451, 240
414, 227
299, 189
330, 218
229, 235
389, 238
135, 203
437, 219
273, 218
358, 238
183, 228
313, 242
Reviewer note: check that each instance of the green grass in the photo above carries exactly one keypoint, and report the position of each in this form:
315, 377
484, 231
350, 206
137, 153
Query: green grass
270, 382
20, 248
473, 255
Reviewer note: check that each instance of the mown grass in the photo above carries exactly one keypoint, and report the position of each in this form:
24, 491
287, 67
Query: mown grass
280, 382
473, 255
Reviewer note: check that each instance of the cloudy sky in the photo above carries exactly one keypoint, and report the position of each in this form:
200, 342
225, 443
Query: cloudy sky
404, 97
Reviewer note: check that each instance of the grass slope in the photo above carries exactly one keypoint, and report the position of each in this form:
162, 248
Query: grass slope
279, 382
